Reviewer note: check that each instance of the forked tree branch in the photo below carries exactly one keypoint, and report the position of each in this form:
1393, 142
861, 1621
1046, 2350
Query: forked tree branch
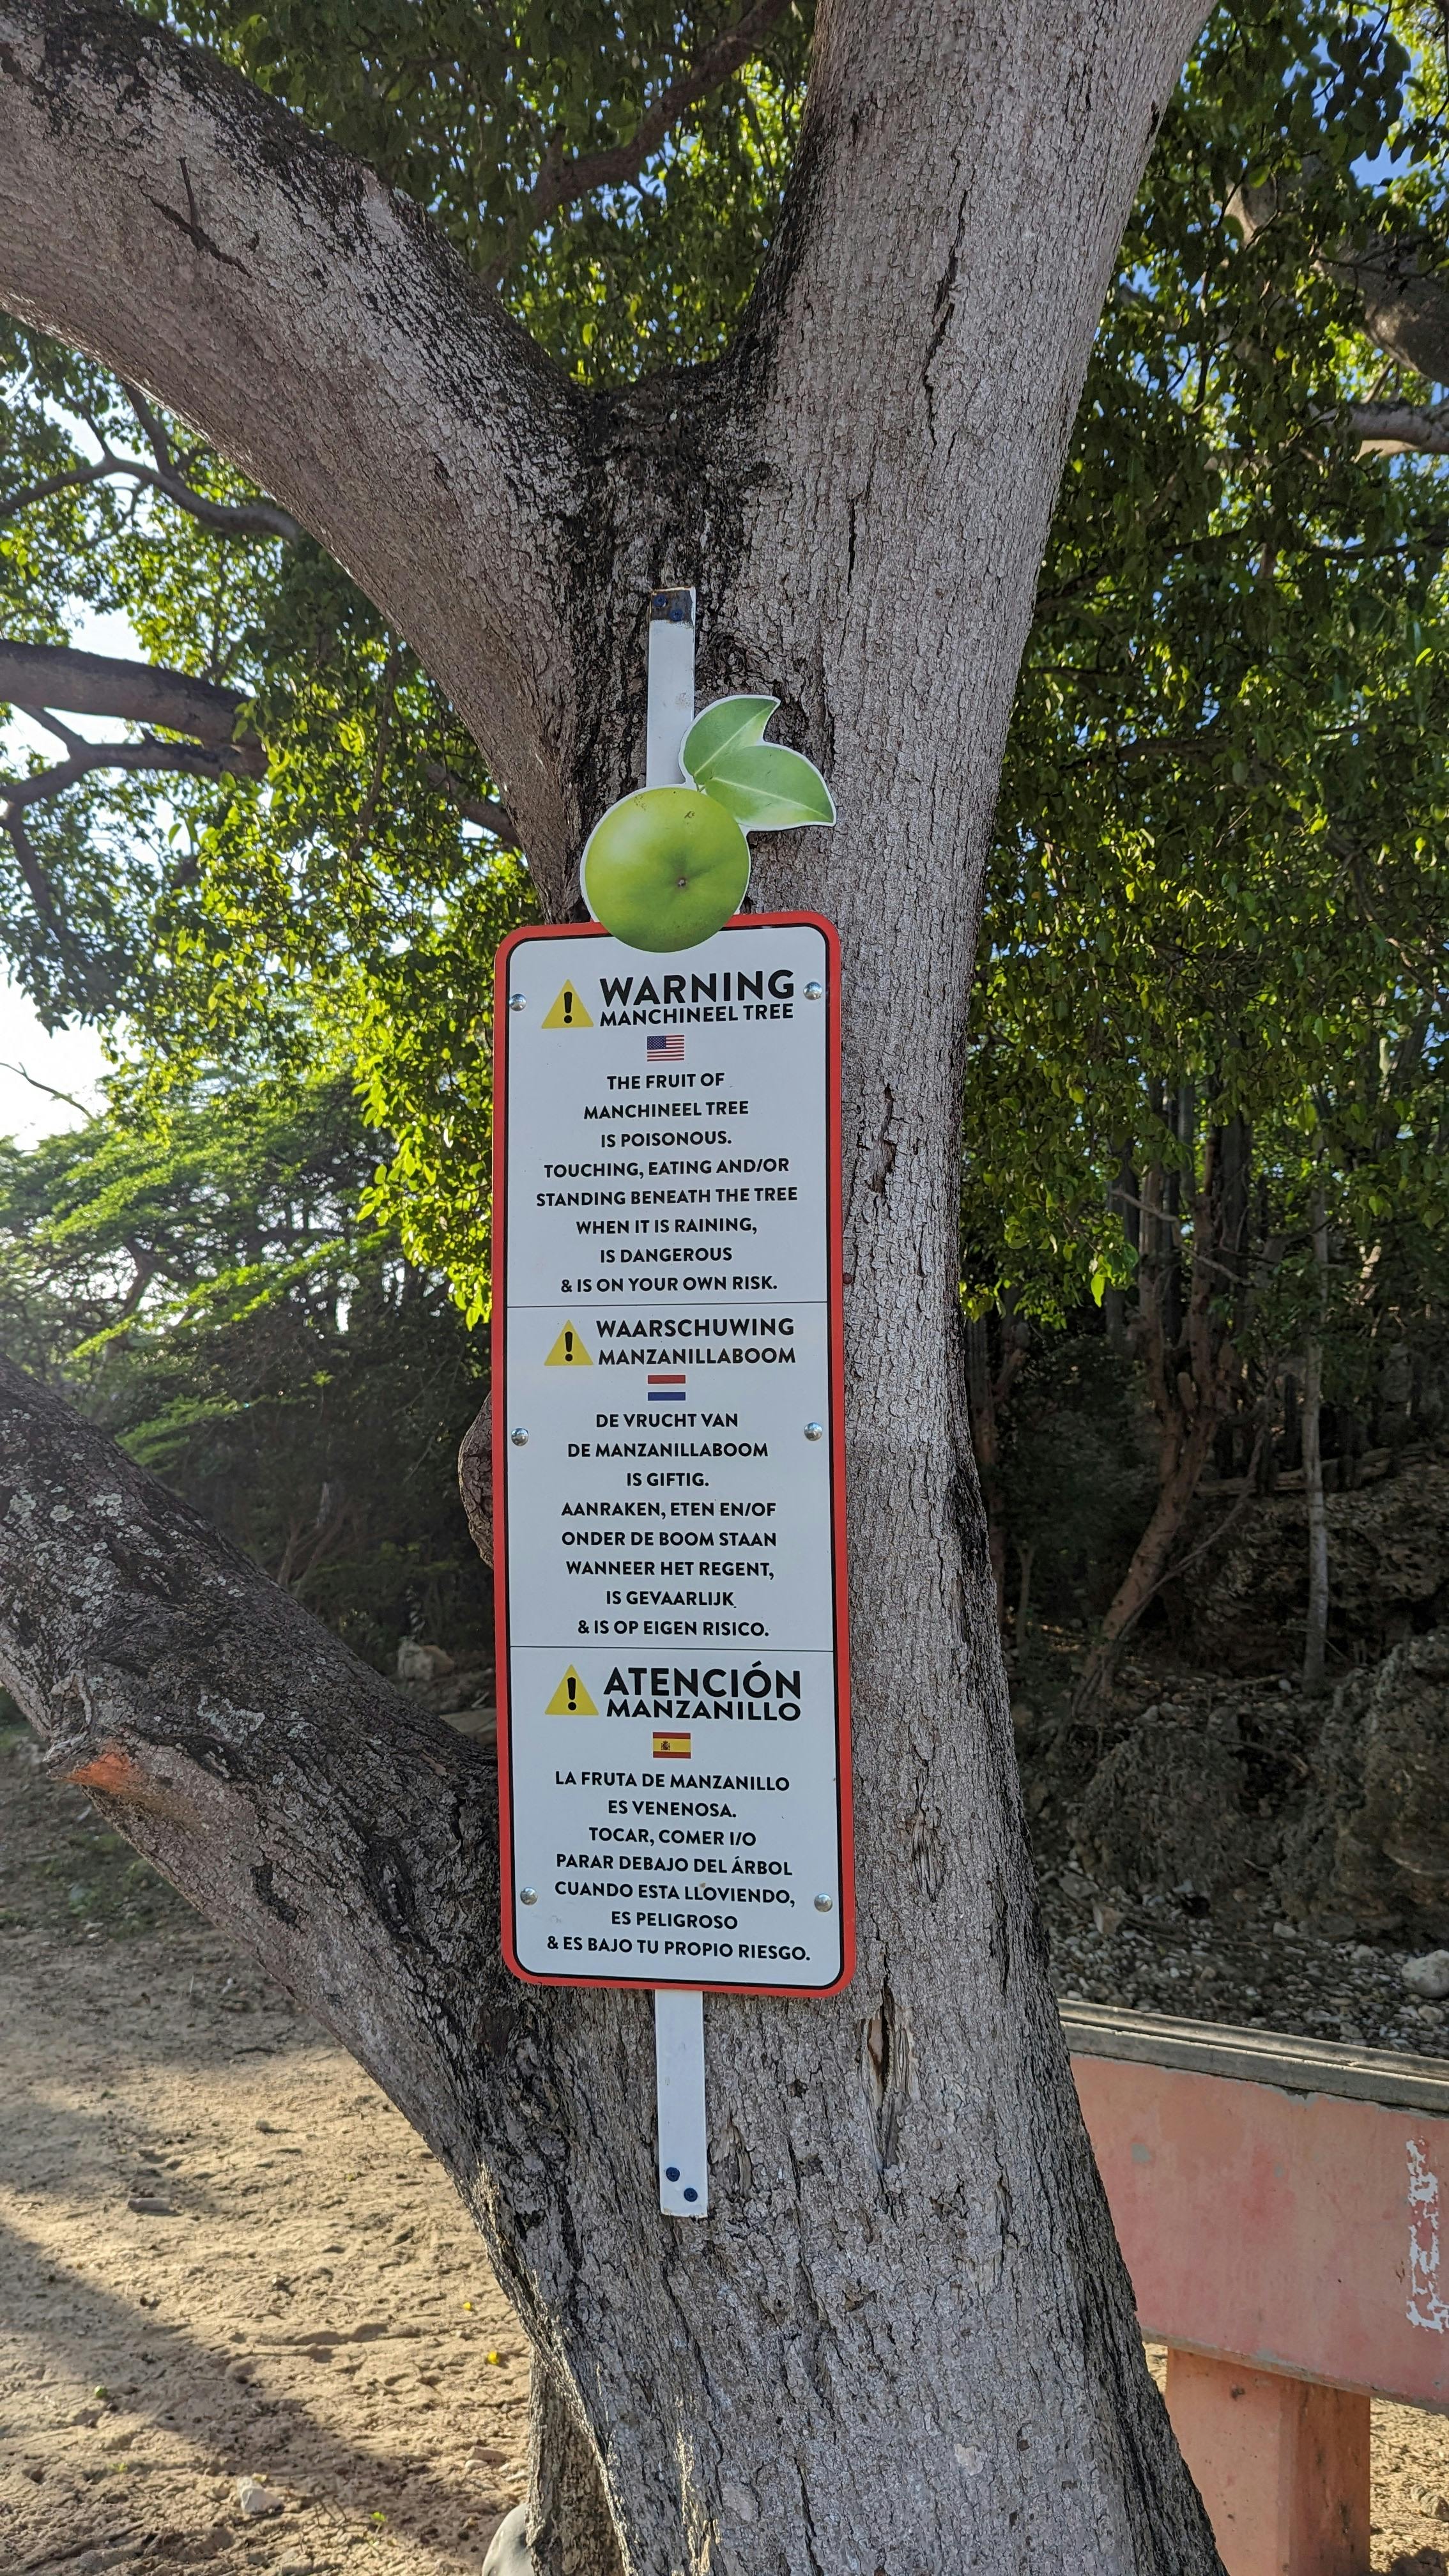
181, 759
224, 518
42, 677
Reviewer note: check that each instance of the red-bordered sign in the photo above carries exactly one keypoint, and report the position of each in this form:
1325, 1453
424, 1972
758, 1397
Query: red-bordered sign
669, 1503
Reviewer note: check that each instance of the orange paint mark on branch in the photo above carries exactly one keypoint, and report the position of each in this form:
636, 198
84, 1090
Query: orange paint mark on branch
112, 1771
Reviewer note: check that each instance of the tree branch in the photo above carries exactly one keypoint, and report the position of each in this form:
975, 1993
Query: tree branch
36, 676
224, 518
188, 759
15, 502
560, 182
1400, 429
489, 811
345, 1837
37, 884
1402, 287
161, 214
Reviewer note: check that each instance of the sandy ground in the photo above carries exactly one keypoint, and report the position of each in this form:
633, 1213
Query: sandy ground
225, 2257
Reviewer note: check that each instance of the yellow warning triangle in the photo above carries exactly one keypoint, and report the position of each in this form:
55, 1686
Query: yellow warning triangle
571, 1699
568, 1012
568, 1351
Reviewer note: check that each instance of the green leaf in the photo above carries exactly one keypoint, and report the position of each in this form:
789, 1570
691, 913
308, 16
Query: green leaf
729, 725
770, 789
764, 786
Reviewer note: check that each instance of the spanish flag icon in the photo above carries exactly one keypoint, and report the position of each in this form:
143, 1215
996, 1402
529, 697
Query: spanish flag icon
671, 1747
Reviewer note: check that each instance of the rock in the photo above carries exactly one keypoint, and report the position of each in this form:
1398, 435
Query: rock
1387, 1546
419, 1663
1428, 1976
508, 2550
1373, 1841
1164, 1806
257, 2501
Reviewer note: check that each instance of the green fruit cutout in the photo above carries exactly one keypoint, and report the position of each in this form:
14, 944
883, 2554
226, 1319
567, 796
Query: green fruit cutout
665, 868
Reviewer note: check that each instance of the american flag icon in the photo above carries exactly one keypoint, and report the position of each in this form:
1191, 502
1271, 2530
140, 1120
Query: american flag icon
668, 1049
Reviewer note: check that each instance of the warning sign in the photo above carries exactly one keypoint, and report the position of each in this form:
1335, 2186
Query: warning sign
568, 1351
670, 1514
571, 1699
568, 1012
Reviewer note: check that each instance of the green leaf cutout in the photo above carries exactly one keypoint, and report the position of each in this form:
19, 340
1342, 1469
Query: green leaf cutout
764, 786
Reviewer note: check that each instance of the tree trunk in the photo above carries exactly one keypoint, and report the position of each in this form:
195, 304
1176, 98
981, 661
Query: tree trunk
903, 2340
570, 2530
1182, 1458
1190, 1371
988, 1391
1315, 1639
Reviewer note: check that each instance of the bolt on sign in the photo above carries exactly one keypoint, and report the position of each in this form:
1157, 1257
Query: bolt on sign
670, 1543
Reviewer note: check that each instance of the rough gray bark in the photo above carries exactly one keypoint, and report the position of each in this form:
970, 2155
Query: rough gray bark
903, 2341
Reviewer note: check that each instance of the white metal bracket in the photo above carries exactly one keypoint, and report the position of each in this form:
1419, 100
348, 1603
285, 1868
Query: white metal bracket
679, 2084
678, 2012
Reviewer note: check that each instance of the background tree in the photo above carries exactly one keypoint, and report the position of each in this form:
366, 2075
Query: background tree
196, 1278
1218, 900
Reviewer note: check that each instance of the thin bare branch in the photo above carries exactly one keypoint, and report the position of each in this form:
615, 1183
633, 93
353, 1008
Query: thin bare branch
14, 502
192, 759
48, 1088
489, 812
223, 518
562, 181
37, 884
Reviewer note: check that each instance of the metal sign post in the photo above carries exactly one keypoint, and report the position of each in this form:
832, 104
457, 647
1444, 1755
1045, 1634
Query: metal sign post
673, 1716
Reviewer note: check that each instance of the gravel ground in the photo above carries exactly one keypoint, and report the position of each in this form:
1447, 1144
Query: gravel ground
1246, 1966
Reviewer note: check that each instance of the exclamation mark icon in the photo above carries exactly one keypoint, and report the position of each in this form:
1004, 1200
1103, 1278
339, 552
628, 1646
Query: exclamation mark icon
567, 1012
568, 1351
571, 1699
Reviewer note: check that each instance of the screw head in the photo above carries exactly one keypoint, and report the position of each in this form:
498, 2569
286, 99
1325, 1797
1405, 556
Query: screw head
824, 1904
528, 1896
814, 992
689, 2192
519, 1438
671, 2173
814, 1430
518, 1001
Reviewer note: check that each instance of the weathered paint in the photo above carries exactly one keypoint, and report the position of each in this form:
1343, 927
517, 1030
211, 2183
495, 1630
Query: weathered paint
1297, 2232
1286, 2247
1281, 2464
